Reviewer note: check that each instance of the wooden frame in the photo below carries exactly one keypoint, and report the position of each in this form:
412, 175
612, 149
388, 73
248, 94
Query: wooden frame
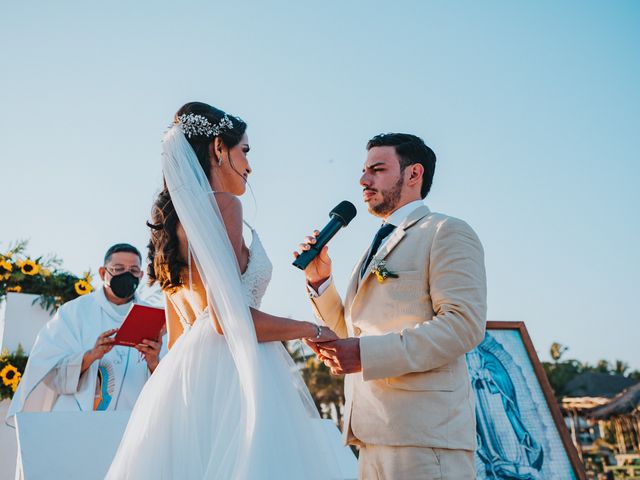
547, 393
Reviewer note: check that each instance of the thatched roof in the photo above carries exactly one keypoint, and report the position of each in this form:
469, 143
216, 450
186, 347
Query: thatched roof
623, 404
594, 384
582, 403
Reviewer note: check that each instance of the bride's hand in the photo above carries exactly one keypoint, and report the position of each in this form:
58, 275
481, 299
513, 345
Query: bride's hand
326, 335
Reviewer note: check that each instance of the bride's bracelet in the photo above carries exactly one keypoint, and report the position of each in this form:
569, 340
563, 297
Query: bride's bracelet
319, 333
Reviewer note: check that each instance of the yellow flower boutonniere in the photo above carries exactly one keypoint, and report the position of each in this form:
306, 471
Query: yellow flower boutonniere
382, 273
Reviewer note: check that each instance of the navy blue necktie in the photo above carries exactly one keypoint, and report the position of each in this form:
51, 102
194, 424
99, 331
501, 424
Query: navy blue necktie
382, 233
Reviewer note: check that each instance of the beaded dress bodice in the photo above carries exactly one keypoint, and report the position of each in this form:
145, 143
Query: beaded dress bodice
255, 278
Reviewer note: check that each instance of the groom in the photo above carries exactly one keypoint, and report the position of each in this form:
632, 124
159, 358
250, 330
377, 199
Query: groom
416, 303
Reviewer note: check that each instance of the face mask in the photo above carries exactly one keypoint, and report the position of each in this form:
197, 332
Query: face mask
124, 285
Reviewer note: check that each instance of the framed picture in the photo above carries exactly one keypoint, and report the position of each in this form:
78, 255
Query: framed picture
520, 430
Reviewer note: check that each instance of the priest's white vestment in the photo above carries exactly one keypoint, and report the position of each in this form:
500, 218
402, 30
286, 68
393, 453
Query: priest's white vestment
52, 380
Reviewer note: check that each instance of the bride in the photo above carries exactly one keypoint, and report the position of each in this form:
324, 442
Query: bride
225, 402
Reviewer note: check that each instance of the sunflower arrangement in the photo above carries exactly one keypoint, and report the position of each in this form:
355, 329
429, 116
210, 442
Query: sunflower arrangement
83, 286
20, 273
12, 367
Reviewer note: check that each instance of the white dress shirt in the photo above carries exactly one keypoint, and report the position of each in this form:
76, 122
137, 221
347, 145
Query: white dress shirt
396, 218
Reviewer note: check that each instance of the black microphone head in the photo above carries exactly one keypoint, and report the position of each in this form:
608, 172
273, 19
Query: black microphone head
345, 211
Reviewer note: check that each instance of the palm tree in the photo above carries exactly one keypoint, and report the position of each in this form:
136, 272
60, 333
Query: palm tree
327, 390
620, 367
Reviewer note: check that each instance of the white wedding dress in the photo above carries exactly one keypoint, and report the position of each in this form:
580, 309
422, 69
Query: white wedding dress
221, 407
187, 422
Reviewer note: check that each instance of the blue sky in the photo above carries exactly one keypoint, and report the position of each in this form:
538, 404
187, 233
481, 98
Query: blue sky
532, 110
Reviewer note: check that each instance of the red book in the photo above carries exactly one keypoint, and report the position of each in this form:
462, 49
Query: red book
142, 322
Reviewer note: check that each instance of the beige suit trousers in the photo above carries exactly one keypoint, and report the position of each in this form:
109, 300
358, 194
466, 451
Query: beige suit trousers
382, 462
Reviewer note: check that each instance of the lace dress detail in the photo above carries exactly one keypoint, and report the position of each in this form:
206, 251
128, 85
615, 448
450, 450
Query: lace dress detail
257, 276
197, 394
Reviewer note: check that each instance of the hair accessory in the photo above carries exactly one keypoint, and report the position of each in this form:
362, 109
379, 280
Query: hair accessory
154, 226
194, 124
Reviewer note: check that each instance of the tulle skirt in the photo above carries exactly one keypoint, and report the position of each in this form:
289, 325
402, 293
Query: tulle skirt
188, 421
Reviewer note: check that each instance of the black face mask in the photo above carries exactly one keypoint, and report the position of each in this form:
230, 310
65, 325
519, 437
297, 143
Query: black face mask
124, 285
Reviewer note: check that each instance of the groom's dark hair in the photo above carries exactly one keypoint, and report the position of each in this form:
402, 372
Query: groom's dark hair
411, 149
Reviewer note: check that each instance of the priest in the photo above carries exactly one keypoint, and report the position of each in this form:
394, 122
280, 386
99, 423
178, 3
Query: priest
74, 364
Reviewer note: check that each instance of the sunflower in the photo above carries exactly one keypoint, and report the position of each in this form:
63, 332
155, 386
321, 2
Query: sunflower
8, 374
83, 287
29, 267
45, 272
5, 269
16, 381
5, 265
16, 289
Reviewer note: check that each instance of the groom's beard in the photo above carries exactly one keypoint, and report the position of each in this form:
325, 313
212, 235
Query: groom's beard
390, 199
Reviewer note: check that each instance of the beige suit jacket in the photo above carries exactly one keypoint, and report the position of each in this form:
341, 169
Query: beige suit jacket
414, 331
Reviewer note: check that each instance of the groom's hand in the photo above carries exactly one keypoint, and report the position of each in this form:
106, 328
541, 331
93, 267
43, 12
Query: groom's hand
341, 356
319, 270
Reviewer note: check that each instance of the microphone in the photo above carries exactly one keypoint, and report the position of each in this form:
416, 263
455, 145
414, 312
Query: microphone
340, 216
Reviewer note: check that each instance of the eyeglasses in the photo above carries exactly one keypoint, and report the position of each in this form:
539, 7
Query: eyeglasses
120, 269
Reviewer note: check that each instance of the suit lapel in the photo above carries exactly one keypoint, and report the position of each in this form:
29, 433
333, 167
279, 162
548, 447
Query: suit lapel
358, 285
355, 279
395, 238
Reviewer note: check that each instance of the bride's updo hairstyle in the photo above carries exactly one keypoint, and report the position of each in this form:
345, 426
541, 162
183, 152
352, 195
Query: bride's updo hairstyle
165, 263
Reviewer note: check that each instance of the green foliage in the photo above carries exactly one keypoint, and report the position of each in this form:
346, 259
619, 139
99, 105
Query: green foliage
620, 367
326, 389
43, 276
560, 373
8, 380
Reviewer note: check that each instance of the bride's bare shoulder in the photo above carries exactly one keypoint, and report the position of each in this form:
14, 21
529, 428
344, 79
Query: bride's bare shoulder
227, 201
231, 211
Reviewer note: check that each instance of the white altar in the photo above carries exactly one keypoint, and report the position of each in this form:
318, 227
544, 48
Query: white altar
8, 445
20, 321
68, 445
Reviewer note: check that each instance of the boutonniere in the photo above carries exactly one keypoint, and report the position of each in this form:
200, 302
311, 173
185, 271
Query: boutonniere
379, 267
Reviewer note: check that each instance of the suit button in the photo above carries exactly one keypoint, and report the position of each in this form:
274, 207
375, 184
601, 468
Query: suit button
357, 331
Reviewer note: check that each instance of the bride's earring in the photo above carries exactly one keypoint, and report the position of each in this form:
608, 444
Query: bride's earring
219, 161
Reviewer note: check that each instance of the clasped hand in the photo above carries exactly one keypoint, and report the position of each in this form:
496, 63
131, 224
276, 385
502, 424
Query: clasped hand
341, 356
